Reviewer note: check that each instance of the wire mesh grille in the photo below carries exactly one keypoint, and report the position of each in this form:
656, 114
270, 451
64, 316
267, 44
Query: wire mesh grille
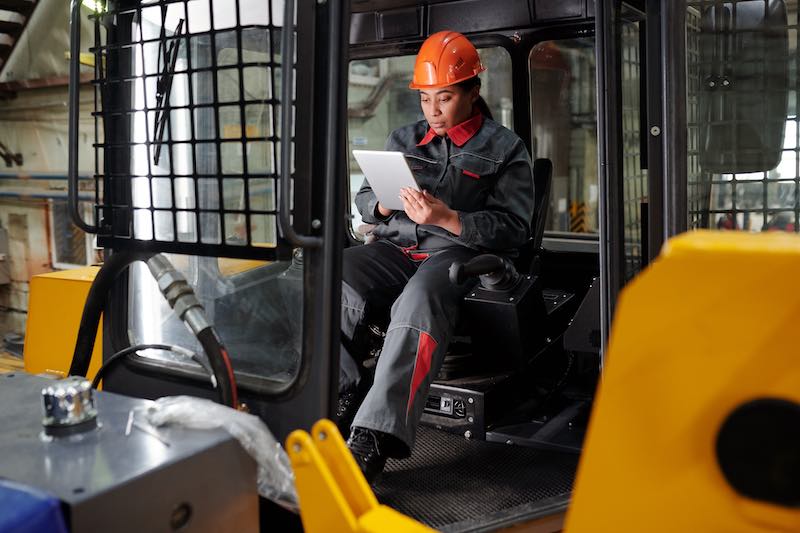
743, 146
634, 177
187, 123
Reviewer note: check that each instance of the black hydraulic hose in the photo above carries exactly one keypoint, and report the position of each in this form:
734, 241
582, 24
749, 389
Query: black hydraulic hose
181, 298
184, 302
122, 354
93, 308
221, 365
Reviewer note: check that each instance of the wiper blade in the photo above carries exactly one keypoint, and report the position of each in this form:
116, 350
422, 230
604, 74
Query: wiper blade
164, 87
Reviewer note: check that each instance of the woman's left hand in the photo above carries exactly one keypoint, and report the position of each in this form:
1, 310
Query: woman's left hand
424, 208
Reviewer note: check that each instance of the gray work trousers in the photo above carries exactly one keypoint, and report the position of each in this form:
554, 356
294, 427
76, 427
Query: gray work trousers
380, 279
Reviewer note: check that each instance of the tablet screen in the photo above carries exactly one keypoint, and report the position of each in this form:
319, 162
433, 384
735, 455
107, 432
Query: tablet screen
387, 173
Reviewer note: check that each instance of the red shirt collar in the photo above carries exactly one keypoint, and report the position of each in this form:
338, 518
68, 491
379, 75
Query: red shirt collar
459, 133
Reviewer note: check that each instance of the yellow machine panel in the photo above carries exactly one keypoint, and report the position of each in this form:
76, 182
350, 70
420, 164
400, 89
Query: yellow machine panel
710, 326
55, 304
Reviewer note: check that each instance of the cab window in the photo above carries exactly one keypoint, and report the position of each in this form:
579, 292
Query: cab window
741, 114
221, 144
564, 129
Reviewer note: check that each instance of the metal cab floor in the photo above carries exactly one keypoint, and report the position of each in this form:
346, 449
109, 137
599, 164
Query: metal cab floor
454, 484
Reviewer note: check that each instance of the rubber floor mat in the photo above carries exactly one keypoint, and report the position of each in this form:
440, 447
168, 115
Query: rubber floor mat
449, 480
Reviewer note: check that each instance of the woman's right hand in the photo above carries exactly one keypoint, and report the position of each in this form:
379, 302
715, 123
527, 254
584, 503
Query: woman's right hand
383, 211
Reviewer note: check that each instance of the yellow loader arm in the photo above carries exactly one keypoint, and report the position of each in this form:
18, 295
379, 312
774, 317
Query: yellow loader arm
333, 494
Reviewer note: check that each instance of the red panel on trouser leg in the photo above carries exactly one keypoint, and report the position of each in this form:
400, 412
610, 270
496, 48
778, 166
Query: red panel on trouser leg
422, 366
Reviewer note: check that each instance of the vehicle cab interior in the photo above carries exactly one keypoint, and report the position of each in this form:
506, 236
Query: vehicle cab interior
505, 418
509, 409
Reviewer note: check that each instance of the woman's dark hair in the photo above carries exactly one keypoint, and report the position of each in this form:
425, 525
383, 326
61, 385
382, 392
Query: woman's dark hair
480, 103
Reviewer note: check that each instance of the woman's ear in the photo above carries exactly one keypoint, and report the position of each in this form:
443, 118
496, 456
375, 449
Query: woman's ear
475, 93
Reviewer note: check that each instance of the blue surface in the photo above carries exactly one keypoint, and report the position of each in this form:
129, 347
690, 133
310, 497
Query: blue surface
27, 510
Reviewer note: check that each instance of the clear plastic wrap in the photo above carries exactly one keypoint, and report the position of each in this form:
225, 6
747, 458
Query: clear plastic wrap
275, 476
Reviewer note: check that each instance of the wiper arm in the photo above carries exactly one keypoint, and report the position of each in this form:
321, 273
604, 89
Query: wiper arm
164, 87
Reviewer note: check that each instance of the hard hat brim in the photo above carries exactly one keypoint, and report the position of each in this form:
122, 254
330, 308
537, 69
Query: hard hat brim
418, 86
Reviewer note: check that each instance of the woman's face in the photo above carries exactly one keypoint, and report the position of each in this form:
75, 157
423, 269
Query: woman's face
447, 107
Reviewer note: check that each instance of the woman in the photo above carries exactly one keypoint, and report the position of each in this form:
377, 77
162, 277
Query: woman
477, 196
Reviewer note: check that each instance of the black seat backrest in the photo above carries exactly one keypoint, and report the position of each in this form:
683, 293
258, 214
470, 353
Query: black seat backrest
542, 179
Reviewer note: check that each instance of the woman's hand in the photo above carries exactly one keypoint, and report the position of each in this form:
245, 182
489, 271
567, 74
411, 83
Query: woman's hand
424, 208
383, 211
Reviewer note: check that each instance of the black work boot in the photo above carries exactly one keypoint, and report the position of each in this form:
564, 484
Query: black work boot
365, 446
346, 409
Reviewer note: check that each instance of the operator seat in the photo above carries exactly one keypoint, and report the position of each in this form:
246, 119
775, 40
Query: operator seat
464, 356
530, 255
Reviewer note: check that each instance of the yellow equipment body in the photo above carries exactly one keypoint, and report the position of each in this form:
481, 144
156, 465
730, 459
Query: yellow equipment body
55, 305
710, 325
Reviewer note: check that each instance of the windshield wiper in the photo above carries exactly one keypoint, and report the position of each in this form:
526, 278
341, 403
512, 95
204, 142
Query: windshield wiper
164, 86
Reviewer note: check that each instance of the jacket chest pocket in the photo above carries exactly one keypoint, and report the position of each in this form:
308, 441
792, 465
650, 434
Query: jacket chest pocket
475, 166
472, 177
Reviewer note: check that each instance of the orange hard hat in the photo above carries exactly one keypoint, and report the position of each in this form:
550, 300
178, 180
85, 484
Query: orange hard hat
445, 58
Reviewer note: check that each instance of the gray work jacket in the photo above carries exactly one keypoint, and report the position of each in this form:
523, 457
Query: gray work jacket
488, 180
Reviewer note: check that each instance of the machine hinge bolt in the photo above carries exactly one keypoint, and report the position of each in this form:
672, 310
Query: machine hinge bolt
655, 131
468, 434
316, 223
471, 400
511, 299
470, 420
472, 295
322, 2
509, 441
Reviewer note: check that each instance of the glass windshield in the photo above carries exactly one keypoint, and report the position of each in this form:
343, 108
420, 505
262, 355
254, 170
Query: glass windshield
210, 175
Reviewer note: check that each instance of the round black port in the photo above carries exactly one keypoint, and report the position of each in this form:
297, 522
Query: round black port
758, 450
78, 490
180, 516
9, 375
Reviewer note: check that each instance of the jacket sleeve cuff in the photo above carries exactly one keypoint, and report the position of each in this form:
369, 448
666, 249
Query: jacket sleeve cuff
468, 228
373, 208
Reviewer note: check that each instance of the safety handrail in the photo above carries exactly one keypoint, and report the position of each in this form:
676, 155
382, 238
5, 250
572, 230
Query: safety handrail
287, 64
74, 110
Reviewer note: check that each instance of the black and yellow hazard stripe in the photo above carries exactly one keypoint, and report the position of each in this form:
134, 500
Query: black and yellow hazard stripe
577, 217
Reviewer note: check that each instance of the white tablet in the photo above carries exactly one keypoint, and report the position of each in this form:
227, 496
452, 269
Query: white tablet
387, 173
